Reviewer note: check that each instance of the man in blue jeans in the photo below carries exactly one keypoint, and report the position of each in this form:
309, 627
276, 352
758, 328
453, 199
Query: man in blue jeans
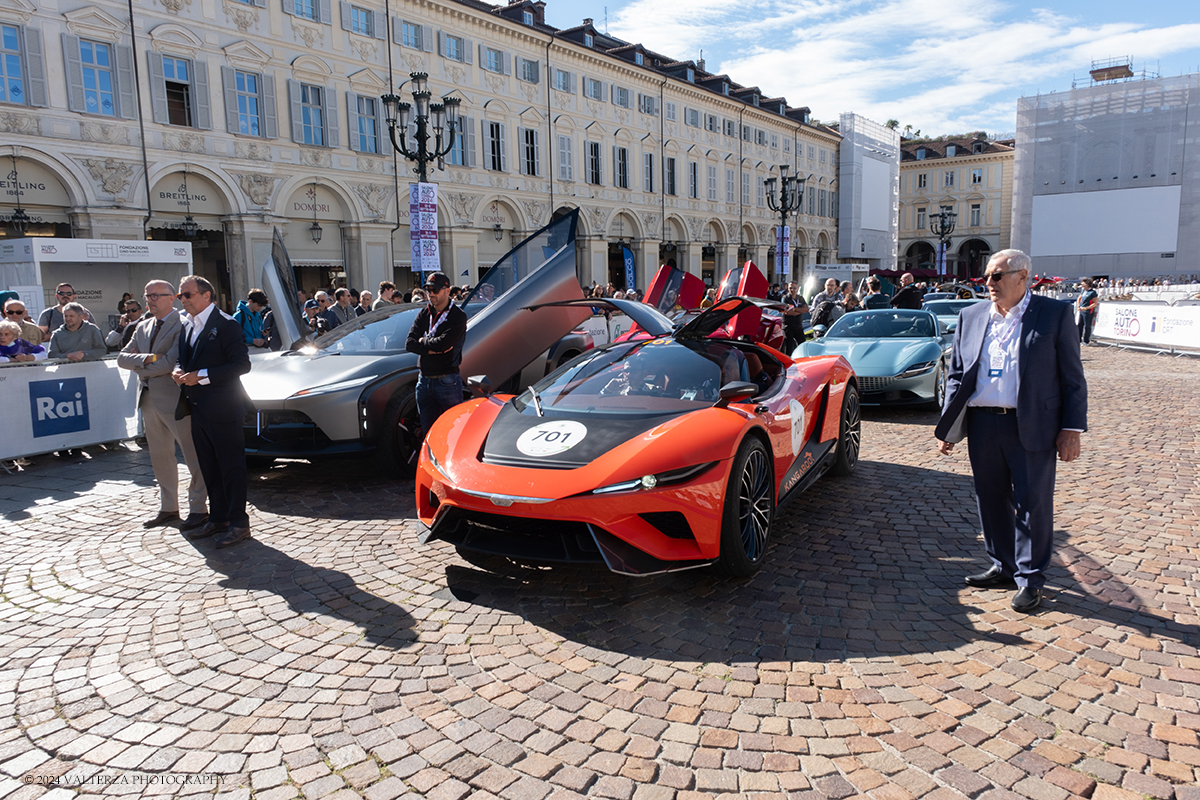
437, 336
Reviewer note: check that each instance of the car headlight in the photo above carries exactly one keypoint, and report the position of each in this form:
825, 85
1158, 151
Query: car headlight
917, 369
334, 387
668, 478
433, 459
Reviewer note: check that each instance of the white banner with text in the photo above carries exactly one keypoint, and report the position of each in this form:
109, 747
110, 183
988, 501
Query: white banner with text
1149, 324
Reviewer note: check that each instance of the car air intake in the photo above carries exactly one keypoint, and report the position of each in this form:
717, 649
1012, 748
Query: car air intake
670, 523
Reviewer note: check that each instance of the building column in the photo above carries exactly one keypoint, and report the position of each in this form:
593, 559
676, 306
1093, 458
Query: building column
248, 242
645, 257
595, 260
690, 256
460, 255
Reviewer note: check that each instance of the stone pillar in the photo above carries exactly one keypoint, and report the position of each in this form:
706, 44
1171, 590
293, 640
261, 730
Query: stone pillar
247, 247
460, 255
690, 256
645, 257
595, 257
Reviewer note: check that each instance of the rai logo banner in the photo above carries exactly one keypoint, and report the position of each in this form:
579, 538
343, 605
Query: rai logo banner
58, 406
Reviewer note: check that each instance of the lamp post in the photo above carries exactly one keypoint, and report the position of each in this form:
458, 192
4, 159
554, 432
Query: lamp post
314, 230
19, 221
189, 223
942, 225
787, 202
441, 117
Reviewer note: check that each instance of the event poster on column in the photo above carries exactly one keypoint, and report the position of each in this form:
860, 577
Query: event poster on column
423, 227
783, 248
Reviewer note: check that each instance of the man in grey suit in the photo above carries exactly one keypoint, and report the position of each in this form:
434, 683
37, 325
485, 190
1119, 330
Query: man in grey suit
151, 354
1016, 389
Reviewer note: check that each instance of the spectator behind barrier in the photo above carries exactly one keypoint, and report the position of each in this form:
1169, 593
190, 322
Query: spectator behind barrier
77, 339
14, 348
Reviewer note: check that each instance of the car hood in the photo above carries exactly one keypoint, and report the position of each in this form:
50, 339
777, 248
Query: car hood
876, 357
279, 378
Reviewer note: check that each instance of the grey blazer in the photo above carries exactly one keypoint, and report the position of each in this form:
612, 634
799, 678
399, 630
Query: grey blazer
1053, 392
162, 391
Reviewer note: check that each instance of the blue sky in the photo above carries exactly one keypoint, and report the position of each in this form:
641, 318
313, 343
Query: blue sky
939, 67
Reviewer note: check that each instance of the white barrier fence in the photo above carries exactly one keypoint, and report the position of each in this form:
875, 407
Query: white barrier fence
604, 330
1156, 326
56, 406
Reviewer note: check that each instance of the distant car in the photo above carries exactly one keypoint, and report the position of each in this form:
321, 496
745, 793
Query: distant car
947, 311
899, 355
352, 391
939, 296
649, 455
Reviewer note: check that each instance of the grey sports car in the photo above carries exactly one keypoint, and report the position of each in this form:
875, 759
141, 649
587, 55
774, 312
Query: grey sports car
900, 356
947, 311
353, 390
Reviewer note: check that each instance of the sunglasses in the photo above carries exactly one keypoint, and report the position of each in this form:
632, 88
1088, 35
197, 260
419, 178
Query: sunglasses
65, 294
995, 277
187, 295
15, 312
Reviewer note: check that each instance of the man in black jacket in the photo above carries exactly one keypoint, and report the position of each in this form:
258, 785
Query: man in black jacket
212, 359
437, 336
910, 295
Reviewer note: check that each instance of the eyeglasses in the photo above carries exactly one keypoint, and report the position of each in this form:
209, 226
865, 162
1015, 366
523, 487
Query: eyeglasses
158, 295
15, 312
995, 277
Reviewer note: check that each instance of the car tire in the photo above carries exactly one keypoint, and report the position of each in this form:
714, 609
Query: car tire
402, 435
849, 434
939, 388
749, 511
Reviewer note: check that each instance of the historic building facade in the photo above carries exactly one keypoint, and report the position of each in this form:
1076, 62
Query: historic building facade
251, 115
974, 177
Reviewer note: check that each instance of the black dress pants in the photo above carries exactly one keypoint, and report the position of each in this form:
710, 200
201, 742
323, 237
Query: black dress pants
221, 451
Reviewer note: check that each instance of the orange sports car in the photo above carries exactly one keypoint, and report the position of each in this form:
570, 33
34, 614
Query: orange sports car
652, 455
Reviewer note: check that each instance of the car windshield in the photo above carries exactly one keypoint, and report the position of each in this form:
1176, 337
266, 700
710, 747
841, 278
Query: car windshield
897, 324
669, 299
384, 330
947, 308
729, 286
641, 378
512, 268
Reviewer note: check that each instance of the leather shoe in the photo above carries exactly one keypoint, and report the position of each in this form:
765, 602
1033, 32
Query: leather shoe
1027, 599
162, 519
232, 537
193, 521
991, 579
208, 529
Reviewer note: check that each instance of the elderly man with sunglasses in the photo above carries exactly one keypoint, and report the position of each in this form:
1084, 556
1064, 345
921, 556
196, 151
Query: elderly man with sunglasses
1016, 389
15, 311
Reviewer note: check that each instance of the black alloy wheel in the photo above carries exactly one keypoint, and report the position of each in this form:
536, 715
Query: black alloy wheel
749, 511
849, 434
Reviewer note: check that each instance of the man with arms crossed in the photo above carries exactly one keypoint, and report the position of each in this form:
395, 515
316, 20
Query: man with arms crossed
1016, 389
152, 353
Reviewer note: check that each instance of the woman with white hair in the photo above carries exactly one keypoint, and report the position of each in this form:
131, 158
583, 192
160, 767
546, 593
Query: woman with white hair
14, 348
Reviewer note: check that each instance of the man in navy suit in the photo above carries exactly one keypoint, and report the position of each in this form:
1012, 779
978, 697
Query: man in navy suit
212, 359
1016, 389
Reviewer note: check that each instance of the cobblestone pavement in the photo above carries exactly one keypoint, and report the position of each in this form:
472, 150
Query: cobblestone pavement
335, 657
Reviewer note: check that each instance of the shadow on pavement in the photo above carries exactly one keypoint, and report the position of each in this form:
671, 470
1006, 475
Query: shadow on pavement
860, 568
345, 489
310, 591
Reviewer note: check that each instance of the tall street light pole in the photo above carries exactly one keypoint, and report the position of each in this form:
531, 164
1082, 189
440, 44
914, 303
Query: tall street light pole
441, 117
788, 201
942, 225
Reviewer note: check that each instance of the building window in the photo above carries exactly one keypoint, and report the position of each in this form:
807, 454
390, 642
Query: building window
760, 194
648, 172
177, 82
691, 75
812, 202
455, 47
747, 132
730, 128
362, 21
821, 203
923, 181
648, 104
728, 186
639, 59
976, 214
595, 174
593, 89
621, 167
98, 83
12, 83
693, 180
312, 114
976, 177
669, 178
530, 152
951, 150
588, 40
462, 154
527, 17
497, 152
774, 141
712, 183
920, 219
565, 169
248, 96
948, 178
670, 113
563, 81
822, 155
494, 60
306, 9
711, 123
529, 70
620, 96
410, 36
745, 188
920, 154
760, 138
366, 133
691, 117
787, 145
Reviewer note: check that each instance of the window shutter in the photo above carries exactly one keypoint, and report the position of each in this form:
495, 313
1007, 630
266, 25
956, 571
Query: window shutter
345, 8
158, 89
289, 8
229, 81
503, 149
521, 150
332, 133
482, 56
127, 105
35, 91
506, 60
378, 25
326, 12
201, 101
537, 153
468, 45
352, 117
260, 3
571, 82
441, 37
397, 30
270, 125
294, 109
427, 38
616, 178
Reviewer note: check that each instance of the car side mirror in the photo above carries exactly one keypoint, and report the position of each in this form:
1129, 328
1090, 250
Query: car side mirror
819, 331
736, 391
943, 329
479, 385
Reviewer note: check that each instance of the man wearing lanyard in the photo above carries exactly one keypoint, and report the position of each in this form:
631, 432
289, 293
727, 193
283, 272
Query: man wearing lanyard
437, 336
1016, 388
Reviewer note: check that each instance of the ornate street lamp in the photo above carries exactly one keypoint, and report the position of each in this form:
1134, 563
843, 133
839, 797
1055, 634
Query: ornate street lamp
189, 224
19, 221
441, 117
787, 202
314, 230
942, 225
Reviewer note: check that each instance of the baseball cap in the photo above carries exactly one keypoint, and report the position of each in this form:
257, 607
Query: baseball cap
311, 304
436, 281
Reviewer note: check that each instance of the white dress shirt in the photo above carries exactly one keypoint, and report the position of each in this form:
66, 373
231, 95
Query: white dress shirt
194, 326
998, 382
